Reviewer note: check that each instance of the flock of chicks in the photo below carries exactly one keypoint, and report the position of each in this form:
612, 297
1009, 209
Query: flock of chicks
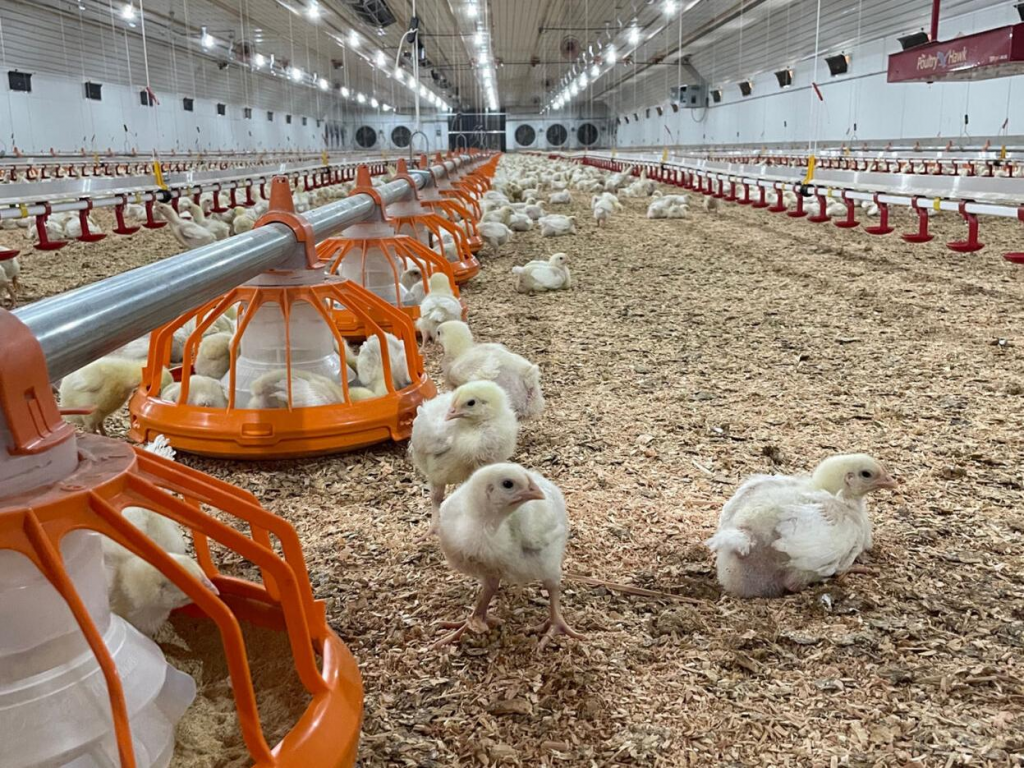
503, 522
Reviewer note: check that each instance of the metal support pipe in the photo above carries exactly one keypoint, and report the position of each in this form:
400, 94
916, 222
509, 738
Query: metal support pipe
935, 19
82, 325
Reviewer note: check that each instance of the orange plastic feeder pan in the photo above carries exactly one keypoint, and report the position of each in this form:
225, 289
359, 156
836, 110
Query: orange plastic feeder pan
276, 433
110, 476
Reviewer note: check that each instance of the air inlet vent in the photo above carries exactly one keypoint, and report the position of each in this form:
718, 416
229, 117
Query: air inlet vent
374, 12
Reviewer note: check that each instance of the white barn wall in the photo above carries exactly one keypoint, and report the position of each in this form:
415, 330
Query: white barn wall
858, 106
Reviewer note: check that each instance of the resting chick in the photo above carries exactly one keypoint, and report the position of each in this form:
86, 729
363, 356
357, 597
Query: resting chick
412, 281
464, 361
203, 391
458, 432
538, 276
779, 533
309, 390
105, 385
214, 356
370, 365
494, 233
556, 225
439, 306
506, 524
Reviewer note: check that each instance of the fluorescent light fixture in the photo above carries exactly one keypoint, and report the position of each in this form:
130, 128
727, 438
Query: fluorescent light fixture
381, 59
471, 10
634, 35
207, 39
583, 81
670, 7
128, 11
399, 76
423, 91
595, 72
353, 39
322, 82
374, 103
259, 60
386, 107
313, 11
478, 38
345, 92
296, 74
360, 98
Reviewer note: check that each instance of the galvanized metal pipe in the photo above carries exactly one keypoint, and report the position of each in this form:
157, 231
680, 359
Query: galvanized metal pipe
82, 325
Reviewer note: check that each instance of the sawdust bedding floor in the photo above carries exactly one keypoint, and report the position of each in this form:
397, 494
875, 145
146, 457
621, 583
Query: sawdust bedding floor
690, 354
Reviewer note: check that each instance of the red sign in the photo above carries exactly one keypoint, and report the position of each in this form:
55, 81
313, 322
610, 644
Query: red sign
994, 53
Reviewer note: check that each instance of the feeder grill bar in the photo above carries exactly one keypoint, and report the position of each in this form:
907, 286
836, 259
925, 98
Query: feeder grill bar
83, 325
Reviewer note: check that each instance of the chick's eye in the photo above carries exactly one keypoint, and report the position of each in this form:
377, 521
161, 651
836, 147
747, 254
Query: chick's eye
865, 474
507, 484
471, 403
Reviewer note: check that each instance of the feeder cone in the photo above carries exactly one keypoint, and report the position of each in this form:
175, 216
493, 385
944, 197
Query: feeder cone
52, 515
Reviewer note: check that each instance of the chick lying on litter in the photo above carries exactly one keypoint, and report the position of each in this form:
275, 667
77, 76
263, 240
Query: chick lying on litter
779, 533
540, 276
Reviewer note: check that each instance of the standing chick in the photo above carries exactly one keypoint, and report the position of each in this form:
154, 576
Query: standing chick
464, 361
439, 306
458, 432
10, 271
412, 281
506, 524
105, 385
137, 591
779, 533
711, 204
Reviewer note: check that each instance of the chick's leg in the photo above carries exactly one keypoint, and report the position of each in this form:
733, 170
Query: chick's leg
478, 621
436, 497
555, 624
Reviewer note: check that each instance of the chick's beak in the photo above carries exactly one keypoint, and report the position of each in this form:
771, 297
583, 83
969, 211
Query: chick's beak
887, 481
530, 493
454, 413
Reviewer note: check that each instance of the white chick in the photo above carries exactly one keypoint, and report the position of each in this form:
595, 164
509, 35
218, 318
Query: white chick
10, 272
104, 385
710, 204
370, 365
309, 390
561, 197
538, 276
243, 221
73, 227
439, 306
494, 233
465, 361
556, 225
779, 533
836, 209
534, 210
203, 391
138, 592
520, 222
412, 281
456, 433
188, 233
214, 356
506, 524
219, 229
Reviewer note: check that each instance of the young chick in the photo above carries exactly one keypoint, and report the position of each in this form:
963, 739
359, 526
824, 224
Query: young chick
520, 222
560, 198
779, 533
203, 391
550, 275
506, 524
412, 281
439, 306
188, 233
370, 365
556, 225
10, 271
214, 356
711, 204
458, 432
464, 361
219, 229
242, 221
105, 385
494, 233
309, 390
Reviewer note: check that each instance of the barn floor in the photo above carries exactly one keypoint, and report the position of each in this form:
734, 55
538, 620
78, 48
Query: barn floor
690, 354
